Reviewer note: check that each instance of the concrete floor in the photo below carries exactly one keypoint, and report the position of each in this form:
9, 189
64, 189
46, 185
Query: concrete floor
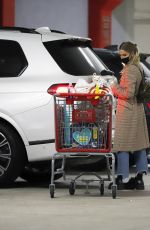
29, 207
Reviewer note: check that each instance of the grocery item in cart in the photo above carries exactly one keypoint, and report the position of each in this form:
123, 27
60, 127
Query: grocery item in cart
82, 86
97, 86
67, 110
82, 137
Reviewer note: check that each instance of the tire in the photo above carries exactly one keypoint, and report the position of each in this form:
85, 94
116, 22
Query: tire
114, 191
52, 190
102, 189
12, 155
72, 188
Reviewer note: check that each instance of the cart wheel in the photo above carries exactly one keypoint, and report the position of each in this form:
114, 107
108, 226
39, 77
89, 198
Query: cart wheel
52, 190
102, 188
114, 191
72, 188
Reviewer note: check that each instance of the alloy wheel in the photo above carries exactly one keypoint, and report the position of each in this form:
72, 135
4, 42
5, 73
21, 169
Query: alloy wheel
5, 154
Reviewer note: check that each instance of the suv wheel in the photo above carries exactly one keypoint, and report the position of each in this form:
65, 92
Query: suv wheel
12, 155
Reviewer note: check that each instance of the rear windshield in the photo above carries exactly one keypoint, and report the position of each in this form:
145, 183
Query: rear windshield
74, 57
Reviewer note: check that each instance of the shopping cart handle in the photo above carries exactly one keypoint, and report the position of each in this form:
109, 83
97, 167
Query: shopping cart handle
92, 95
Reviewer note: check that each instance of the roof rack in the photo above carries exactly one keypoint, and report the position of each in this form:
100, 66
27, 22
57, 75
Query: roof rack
20, 29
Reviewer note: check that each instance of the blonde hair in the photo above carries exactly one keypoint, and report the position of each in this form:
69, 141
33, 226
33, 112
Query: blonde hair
132, 49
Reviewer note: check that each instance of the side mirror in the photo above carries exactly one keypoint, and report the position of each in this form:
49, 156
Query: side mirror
105, 72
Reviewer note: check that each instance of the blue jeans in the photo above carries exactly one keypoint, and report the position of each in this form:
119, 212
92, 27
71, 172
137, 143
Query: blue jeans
123, 162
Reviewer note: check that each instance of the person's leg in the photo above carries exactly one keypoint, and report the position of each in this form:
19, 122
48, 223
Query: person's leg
123, 165
122, 179
122, 169
141, 161
141, 167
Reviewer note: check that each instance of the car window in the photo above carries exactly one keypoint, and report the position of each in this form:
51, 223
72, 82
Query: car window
146, 71
74, 57
12, 59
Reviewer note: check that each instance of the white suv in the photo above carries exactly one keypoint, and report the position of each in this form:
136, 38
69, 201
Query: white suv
30, 62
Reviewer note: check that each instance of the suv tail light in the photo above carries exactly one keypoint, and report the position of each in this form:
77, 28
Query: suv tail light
58, 88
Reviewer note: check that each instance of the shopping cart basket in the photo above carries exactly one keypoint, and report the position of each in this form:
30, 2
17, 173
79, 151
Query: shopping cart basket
83, 125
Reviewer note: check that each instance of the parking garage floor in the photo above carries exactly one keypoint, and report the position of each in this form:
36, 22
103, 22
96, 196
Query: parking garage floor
27, 206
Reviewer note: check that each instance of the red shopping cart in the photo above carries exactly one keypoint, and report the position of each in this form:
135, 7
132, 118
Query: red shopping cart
83, 125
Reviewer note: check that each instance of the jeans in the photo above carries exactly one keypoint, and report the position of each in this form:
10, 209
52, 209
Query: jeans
123, 163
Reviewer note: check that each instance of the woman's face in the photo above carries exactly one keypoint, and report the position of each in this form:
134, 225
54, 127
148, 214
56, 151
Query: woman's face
123, 54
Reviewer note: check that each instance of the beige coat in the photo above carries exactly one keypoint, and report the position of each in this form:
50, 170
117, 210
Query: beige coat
131, 132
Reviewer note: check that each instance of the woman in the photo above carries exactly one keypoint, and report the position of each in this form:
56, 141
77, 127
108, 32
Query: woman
131, 134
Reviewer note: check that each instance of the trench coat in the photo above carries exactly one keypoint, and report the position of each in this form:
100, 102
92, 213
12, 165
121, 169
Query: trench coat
131, 133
